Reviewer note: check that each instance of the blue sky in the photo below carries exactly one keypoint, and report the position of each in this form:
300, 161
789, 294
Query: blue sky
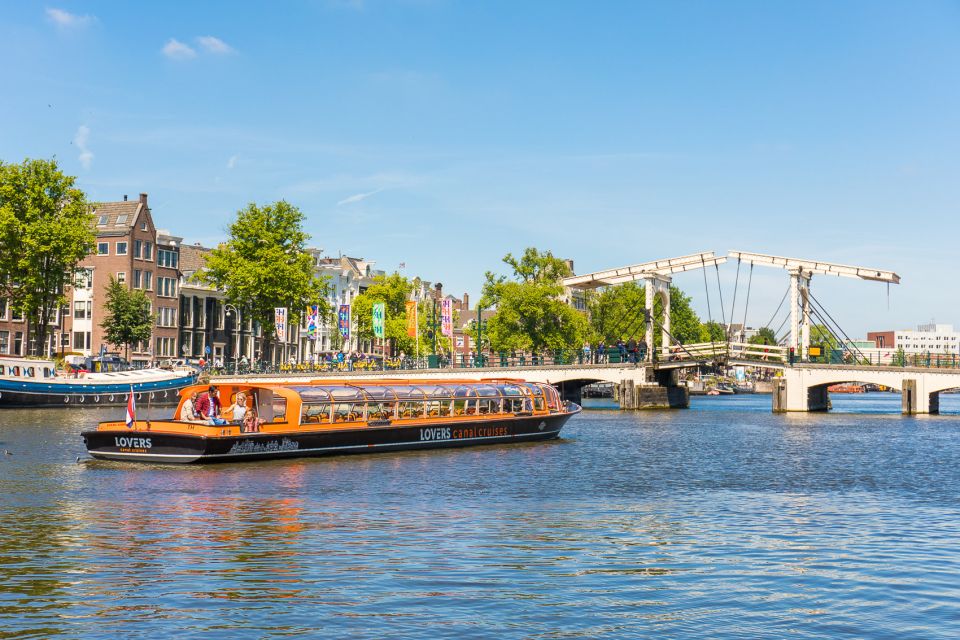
445, 134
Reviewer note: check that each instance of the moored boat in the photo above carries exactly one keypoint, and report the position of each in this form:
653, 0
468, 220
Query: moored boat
327, 417
27, 382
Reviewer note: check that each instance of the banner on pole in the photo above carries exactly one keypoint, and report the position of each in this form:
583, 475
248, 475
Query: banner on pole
379, 313
280, 322
411, 318
313, 320
446, 317
343, 320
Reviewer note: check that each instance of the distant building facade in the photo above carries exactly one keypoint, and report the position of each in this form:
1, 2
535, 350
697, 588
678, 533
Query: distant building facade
928, 338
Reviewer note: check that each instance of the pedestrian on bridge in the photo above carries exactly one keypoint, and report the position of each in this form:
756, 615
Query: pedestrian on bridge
632, 350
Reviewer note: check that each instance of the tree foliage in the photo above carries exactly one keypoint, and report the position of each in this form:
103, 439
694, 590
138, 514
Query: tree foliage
128, 318
46, 229
764, 336
264, 264
393, 290
616, 313
531, 314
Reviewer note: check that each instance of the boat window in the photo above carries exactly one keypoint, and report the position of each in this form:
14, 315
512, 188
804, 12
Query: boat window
30, 372
279, 408
438, 408
347, 411
380, 410
410, 409
3, 370
488, 405
315, 414
407, 391
15, 372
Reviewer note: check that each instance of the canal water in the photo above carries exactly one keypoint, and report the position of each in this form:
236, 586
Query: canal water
723, 520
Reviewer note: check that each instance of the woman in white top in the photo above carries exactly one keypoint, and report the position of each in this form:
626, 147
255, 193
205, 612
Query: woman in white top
239, 408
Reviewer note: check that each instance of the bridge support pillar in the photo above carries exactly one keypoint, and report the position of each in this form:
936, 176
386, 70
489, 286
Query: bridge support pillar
780, 395
915, 398
631, 395
571, 392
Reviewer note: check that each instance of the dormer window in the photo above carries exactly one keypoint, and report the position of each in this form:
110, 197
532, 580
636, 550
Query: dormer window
101, 221
122, 219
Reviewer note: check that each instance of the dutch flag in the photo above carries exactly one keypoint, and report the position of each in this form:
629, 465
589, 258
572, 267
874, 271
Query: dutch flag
131, 410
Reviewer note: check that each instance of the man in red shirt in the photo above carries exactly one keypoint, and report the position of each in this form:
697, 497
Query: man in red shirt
208, 406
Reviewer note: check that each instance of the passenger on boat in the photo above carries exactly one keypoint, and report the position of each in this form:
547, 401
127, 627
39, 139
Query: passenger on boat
239, 409
188, 412
209, 407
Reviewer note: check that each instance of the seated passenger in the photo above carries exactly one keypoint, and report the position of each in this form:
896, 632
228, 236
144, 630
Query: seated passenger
239, 409
188, 412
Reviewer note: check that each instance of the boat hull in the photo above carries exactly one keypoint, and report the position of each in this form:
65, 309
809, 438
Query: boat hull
19, 394
157, 446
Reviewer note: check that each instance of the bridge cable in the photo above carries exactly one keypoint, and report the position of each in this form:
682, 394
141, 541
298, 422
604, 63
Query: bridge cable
723, 313
706, 288
670, 335
849, 340
747, 305
773, 317
777, 332
733, 306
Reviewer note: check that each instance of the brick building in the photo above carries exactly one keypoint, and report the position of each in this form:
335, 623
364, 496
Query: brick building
127, 249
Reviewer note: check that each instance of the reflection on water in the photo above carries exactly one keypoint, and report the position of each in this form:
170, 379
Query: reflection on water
723, 520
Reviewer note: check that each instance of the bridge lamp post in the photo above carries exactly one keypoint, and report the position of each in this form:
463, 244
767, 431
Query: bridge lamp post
237, 329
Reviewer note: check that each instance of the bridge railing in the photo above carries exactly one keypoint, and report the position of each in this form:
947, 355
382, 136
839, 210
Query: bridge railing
761, 352
887, 358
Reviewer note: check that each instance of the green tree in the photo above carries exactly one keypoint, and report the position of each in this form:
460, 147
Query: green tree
764, 336
821, 335
393, 290
46, 229
617, 313
128, 318
264, 264
530, 311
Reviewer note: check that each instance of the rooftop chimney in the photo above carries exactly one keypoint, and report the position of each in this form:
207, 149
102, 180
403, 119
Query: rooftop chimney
143, 199
124, 197
466, 303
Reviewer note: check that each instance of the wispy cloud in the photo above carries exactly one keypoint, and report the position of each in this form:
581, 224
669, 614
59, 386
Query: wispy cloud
357, 197
67, 20
232, 162
176, 50
80, 142
215, 45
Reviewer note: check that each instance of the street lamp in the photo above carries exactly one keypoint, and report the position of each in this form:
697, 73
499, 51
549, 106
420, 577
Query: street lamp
237, 329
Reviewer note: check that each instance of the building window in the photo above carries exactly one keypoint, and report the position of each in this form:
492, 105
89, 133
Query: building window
148, 251
122, 277
16, 315
79, 309
148, 280
18, 343
121, 248
122, 219
103, 248
143, 225
136, 278
167, 258
137, 248
4, 305
101, 221
89, 309
84, 279
5, 342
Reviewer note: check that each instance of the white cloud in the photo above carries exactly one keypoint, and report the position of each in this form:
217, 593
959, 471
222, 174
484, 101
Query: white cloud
215, 45
358, 197
67, 20
80, 142
176, 50
232, 162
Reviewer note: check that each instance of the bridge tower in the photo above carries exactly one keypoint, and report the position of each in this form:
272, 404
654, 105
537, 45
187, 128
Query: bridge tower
801, 272
657, 277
